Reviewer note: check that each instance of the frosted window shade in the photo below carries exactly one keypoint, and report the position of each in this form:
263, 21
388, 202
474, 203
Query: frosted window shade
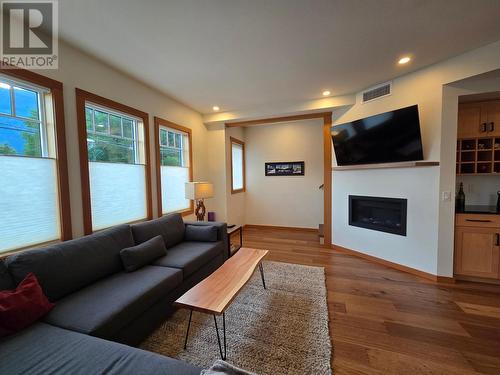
173, 180
117, 193
237, 165
29, 203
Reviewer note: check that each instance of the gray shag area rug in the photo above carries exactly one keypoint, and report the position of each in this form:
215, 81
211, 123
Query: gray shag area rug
281, 330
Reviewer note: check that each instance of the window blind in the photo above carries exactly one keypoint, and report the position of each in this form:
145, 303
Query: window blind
173, 180
237, 165
117, 193
174, 169
29, 202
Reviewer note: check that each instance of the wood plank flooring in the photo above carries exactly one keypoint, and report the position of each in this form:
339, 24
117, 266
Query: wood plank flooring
384, 321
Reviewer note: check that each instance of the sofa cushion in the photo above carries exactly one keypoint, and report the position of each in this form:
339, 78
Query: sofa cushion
221, 231
45, 349
190, 256
6, 282
200, 233
108, 305
68, 266
140, 255
170, 227
22, 306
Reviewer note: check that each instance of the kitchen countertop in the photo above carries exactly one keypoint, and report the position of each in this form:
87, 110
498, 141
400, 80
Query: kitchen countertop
477, 209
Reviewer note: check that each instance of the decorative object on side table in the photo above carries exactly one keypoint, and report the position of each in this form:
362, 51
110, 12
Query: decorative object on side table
290, 168
198, 191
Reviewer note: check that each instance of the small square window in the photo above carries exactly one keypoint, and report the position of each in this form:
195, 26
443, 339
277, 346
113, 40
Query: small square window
5, 104
115, 124
88, 119
26, 103
171, 139
101, 122
20, 137
163, 137
128, 128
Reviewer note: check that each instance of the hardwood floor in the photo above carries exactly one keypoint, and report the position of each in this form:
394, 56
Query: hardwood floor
384, 321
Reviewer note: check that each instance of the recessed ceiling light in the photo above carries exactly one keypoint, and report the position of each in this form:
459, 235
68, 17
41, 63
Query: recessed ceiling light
216, 108
326, 93
404, 60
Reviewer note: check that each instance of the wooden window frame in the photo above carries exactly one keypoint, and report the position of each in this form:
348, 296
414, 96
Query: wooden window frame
82, 97
237, 141
56, 89
162, 122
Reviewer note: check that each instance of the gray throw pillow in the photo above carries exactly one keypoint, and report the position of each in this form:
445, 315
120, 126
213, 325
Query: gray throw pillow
140, 255
200, 233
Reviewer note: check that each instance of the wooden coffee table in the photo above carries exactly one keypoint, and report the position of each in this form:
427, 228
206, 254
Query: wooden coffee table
214, 294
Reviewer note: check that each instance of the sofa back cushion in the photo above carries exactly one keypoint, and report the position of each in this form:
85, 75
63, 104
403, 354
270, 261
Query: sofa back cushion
200, 233
140, 255
65, 267
170, 227
6, 282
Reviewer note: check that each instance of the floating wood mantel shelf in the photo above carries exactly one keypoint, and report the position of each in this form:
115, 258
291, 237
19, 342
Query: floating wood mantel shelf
406, 164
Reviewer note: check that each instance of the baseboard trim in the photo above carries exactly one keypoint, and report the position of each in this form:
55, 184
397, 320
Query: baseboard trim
396, 266
260, 226
476, 279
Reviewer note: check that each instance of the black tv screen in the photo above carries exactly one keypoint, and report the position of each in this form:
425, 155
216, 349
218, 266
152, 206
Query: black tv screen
385, 138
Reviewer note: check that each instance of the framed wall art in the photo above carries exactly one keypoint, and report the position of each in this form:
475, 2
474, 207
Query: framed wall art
289, 168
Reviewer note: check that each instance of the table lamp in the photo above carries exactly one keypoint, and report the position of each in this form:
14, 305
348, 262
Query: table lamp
198, 191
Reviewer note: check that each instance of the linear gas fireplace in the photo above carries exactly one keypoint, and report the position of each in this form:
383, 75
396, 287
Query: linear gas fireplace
382, 214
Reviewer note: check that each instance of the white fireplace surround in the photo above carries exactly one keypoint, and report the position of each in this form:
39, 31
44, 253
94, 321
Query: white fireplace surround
419, 186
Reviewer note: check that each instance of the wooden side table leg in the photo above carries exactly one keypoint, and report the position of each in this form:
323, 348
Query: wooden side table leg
241, 236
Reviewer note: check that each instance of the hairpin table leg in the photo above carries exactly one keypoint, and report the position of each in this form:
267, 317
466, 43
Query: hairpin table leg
187, 332
261, 269
223, 356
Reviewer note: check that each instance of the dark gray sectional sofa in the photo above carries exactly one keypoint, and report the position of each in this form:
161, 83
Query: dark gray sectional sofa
99, 306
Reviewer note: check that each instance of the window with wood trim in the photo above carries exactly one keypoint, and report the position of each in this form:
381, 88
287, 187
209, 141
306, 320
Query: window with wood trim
237, 165
174, 166
34, 198
114, 157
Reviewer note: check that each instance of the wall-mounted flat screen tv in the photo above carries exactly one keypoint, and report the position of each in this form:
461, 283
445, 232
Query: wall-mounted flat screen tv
385, 138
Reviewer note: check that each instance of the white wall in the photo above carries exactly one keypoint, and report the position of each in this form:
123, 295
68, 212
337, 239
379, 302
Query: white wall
438, 123
77, 69
293, 201
216, 159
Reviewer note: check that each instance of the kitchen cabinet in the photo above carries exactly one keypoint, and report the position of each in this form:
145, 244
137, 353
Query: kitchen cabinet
478, 144
469, 121
479, 119
492, 119
477, 246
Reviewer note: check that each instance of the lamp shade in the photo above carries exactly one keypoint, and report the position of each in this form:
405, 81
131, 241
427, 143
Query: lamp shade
199, 190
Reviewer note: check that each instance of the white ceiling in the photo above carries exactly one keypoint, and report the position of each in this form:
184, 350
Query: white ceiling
242, 54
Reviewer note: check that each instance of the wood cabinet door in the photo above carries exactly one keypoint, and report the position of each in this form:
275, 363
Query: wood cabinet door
470, 123
492, 110
477, 252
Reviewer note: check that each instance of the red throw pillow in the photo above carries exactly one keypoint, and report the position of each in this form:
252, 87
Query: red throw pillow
22, 306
